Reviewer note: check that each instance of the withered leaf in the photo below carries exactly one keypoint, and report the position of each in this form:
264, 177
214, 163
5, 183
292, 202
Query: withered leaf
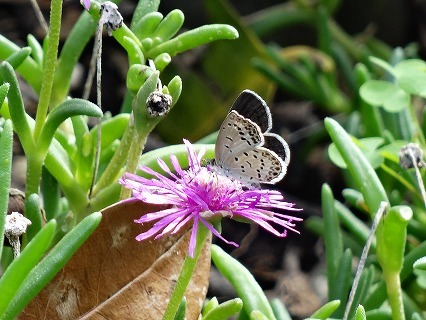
113, 276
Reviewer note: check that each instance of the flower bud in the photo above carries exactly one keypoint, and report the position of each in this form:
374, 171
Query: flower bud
158, 104
411, 155
110, 17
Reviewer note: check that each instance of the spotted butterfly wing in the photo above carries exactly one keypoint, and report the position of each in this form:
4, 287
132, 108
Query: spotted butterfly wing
251, 106
278, 145
244, 148
236, 135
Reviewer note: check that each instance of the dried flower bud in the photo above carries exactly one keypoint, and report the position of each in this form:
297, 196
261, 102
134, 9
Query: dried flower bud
110, 17
411, 155
158, 104
16, 225
16, 203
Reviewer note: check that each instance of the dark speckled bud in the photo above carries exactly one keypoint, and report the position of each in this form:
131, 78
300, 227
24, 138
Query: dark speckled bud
410, 154
158, 104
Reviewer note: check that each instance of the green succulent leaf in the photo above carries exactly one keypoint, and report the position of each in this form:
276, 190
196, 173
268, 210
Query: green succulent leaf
143, 9
386, 94
36, 49
326, 310
411, 76
29, 69
360, 313
242, 280
279, 309
145, 27
194, 38
4, 89
33, 212
136, 77
6, 143
20, 268
133, 50
258, 315
368, 147
170, 25
210, 305
419, 269
363, 174
391, 238
382, 64
333, 240
67, 109
162, 61
112, 129
17, 58
224, 310
16, 105
180, 314
390, 151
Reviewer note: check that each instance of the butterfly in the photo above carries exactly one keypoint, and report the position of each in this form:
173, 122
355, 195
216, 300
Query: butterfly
245, 149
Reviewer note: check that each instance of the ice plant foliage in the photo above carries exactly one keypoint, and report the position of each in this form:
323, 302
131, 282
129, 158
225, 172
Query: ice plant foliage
199, 195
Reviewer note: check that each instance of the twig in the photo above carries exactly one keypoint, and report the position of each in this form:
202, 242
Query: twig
363, 258
97, 50
39, 16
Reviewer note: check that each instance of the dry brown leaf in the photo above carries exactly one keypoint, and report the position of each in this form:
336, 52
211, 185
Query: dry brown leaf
113, 276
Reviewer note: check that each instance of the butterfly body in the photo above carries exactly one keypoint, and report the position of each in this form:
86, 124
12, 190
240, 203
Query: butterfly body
245, 150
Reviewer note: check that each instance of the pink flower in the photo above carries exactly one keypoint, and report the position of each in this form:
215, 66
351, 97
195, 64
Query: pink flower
86, 4
198, 195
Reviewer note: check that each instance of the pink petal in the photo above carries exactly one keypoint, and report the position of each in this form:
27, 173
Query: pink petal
157, 215
216, 233
193, 239
166, 168
86, 4
184, 222
147, 234
192, 155
176, 165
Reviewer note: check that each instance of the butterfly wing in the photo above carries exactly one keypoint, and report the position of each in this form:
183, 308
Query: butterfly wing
258, 165
251, 106
236, 135
278, 145
244, 149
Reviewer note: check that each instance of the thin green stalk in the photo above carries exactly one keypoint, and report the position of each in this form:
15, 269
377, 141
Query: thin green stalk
144, 123
35, 160
117, 162
75, 194
74, 45
34, 169
49, 66
6, 143
185, 276
391, 242
393, 288
135, 151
